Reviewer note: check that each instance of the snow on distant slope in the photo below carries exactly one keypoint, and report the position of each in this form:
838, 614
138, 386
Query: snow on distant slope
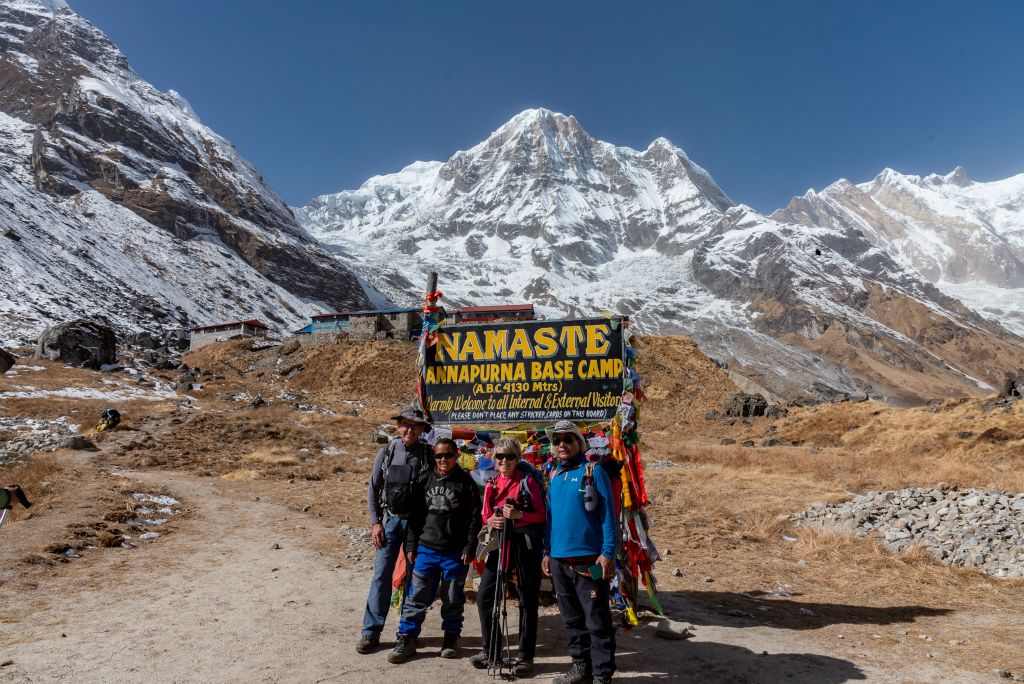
964, 236
116, 199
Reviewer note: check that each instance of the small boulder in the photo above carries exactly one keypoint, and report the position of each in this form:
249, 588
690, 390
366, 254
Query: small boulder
672, 630
290, 347
995, 434
78, 443
78, 343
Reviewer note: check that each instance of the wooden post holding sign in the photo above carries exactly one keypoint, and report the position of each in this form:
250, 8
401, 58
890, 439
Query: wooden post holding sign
525, 371
432, 283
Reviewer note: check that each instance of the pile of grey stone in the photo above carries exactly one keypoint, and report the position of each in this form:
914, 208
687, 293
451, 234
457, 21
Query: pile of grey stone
966, 528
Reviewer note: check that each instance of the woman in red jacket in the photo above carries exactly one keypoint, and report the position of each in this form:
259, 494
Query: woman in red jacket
515, 496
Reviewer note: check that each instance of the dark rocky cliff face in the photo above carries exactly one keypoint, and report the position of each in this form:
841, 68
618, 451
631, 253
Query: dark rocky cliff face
99, 126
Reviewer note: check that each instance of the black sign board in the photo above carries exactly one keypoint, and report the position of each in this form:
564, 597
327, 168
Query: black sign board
527, 371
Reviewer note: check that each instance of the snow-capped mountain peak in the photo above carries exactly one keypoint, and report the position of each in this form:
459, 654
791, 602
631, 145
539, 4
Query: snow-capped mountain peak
543, 212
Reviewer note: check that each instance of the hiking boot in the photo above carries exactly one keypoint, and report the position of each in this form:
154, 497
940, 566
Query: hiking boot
523, 668
603, 680
405, 648
579, 673
367, 644
450, 645
480, 661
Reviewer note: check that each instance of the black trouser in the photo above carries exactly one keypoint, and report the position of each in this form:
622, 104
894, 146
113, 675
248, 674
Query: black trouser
526, 562
587, 615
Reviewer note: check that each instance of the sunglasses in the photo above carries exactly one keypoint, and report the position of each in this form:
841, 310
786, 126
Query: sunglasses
556, 440
505, 457
445, 454
408, 426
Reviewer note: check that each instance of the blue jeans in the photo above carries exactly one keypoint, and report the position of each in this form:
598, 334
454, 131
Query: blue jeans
379, 600
433, 568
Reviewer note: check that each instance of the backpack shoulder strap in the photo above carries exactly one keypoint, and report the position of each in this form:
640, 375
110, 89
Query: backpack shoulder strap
389, 456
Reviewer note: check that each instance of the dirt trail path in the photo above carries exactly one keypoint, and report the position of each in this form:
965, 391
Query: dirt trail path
212, 601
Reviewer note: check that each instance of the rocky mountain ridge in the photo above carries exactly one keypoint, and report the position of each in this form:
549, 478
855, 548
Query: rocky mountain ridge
115, 200
965, 237
543, 212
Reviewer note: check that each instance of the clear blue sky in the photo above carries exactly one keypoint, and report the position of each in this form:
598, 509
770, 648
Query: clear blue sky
771, 97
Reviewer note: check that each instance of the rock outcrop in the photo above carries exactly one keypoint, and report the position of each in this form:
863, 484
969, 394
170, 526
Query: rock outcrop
7, 361
79, 343
745, 405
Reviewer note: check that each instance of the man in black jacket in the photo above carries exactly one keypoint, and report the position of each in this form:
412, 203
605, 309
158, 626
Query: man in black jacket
440, 544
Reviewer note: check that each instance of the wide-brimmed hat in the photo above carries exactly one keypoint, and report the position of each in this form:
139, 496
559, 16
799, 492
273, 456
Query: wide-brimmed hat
413, 413
566, 426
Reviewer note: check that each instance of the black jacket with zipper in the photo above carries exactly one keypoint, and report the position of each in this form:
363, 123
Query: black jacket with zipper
446, 513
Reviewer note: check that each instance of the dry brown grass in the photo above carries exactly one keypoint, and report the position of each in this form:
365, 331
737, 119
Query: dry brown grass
41, 477
241, 474
274, 455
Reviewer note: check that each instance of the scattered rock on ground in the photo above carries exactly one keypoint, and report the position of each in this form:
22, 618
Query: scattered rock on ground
975, 528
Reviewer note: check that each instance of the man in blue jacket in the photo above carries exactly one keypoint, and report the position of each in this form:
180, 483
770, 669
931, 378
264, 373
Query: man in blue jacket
579, 555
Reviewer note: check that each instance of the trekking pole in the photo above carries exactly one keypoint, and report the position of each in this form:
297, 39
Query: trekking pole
500, 663
494, 639
5, 500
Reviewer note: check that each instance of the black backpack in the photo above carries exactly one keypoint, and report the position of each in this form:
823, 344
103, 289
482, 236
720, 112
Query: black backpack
400, 480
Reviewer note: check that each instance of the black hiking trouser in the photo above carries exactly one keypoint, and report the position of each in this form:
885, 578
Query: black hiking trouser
587, 616
526, 563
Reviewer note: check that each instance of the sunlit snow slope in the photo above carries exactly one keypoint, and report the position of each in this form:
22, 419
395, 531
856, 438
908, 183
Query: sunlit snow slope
964, 236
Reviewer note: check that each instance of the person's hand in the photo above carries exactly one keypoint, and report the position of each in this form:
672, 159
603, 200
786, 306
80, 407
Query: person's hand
466, 558
496, 521
511, 512
545, 566
378, 536
607, 567
410, 557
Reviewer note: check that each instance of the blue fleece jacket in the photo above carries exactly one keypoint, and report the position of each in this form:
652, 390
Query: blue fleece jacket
571, 531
